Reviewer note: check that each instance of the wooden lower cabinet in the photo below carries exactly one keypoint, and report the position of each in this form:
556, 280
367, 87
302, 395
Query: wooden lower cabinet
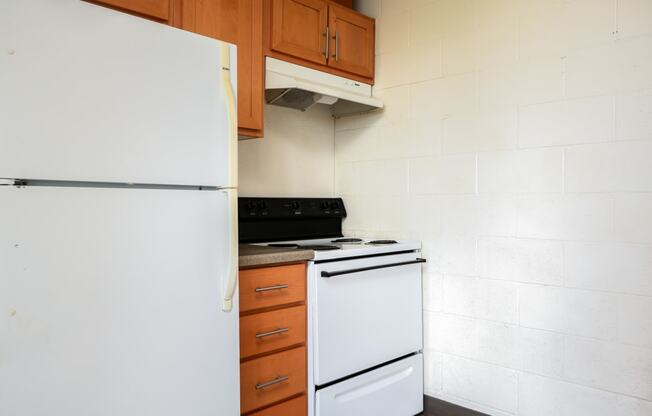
270, 331
272, 378
294, 407
273, 352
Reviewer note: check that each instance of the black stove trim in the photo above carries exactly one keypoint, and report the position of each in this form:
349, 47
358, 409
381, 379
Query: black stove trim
286, 219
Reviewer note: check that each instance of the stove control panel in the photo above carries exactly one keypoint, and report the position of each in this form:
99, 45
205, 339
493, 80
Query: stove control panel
284, 208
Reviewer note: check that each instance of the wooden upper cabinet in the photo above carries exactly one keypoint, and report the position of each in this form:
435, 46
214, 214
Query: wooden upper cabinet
298, 28
155, 9
322, 35
351, 41
345, 3
213, 18
251, 69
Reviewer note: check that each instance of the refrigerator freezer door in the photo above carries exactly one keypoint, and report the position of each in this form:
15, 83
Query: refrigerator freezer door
111, 303
92, 94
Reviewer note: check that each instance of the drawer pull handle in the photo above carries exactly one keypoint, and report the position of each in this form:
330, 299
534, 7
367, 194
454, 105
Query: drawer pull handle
275, 287
274, 332
277, 380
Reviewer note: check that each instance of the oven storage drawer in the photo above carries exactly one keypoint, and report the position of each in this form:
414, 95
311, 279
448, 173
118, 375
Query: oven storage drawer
365, 315
392, 390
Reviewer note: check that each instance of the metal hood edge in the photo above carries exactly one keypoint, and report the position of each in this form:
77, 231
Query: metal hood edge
298, 87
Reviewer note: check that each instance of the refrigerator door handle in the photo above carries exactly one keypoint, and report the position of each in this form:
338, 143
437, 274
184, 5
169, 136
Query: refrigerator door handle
232, 262
232, 193
232, 114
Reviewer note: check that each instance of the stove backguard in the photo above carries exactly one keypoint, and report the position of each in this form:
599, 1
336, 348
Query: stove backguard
284, 219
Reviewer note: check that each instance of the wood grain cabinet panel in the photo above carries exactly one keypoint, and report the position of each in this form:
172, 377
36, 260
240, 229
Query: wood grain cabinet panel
213, 18
251, 69
270, 379
272, 286
352, 41
269, 331
298, 28
322, 35
157, 9
295, 407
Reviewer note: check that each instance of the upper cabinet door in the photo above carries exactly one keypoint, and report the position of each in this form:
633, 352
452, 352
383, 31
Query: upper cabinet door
157, 9
351, 41
251, 69
213, 18
299, 28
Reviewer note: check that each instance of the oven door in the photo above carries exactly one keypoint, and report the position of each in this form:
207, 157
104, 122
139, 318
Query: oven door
365, 312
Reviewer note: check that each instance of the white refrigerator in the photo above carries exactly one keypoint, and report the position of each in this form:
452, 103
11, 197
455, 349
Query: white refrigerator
118, 219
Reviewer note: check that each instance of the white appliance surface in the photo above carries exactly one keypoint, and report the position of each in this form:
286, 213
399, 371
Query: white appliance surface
116, 298
92, 94
365, 318
363, 248
111, 303
392, 390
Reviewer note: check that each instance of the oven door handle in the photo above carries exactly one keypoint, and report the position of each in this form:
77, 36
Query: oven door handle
364, 269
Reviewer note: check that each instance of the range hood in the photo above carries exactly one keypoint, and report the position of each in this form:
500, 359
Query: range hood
298, 87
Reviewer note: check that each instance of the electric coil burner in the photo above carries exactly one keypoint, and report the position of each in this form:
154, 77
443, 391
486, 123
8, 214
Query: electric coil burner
317, 247
364, 338
347, 240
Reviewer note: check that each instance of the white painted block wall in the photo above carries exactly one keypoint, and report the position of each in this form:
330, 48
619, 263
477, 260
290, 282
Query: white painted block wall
517, 144
295, 159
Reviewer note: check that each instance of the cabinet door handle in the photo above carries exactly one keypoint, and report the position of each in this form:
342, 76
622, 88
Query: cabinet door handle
328, 41
270, 333
275, 287
277, 380
337, 46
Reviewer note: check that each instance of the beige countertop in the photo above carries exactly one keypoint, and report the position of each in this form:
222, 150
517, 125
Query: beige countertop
252, 255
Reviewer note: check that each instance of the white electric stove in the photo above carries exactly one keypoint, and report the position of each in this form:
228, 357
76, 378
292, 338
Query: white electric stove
364, 307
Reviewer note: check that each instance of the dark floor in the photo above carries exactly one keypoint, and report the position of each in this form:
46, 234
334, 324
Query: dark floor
436, 407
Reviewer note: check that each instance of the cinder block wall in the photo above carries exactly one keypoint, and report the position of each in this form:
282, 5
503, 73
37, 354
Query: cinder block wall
517, 145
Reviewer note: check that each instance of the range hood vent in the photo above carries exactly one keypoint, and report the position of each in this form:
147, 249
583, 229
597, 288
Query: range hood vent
298, 87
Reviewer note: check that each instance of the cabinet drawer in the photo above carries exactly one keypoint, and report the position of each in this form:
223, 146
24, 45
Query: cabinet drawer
294, 407
266, 380
269, 331
272, 286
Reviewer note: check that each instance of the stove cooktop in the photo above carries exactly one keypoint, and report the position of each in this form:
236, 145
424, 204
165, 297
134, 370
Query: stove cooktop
309, 223
340, 248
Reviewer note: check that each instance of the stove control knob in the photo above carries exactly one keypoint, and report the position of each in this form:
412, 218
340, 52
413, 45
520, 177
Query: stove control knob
334, 205
296, 205
262, 205
324, 205
251, 205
